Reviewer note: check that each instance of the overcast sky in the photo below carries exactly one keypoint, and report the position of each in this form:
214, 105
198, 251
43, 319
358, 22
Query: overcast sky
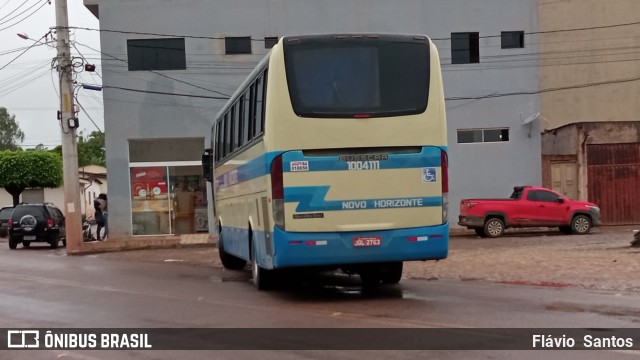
28, 86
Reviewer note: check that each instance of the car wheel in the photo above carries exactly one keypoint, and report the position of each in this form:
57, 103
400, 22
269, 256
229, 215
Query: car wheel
229, 261
493, 227
581, 224
13, 243
480, 232
54, 243
26, 244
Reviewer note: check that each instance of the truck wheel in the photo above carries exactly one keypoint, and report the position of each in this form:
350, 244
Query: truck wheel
580, 224
480, 232
493, 227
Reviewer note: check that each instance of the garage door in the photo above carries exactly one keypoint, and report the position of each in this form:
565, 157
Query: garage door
614, 181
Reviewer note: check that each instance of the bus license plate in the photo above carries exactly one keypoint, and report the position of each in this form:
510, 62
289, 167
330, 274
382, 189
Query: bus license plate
29, 237
367, 241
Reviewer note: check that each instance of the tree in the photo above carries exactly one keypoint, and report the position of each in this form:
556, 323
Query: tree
10, 133
91, 149
25, 169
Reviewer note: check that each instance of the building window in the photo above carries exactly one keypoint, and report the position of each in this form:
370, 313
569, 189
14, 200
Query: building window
156, 54
512, 39
467, 136
270, 41
237, 45
465, 48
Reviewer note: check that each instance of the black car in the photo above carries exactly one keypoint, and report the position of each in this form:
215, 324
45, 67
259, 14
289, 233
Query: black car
5, 215
36, 223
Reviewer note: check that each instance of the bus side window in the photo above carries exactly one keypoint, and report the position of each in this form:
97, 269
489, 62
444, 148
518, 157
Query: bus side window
244, 123
259, 118
217, 156
241, 125
252, 110
248, 111
227, 135
233, 131
237, 122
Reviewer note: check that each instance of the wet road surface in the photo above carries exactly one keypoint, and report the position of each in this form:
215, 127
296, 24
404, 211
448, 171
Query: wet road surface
44, 288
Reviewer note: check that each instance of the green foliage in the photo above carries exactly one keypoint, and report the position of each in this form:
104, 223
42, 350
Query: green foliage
24, 169
91, 149
10, 133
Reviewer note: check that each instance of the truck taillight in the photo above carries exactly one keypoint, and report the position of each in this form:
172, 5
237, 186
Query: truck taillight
49, 223
277, 192
444, 168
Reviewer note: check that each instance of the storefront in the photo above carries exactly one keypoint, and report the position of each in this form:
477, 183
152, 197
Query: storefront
167, 197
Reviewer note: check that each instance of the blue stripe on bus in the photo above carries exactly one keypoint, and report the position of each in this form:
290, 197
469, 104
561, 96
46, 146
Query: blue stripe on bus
291, 248
255, 168
312, 198
428, 157
261, 165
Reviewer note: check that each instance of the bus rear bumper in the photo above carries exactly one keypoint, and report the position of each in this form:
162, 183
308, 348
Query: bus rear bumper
295, 249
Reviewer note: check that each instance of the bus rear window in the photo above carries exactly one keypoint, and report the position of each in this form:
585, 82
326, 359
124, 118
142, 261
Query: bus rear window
331, 77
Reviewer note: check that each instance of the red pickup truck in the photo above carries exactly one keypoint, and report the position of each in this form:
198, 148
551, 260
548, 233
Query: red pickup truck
528, 206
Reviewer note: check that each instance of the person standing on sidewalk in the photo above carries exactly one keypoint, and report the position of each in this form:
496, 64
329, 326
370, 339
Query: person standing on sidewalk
100, 206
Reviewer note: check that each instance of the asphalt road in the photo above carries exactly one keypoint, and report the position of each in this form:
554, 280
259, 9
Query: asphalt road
44, 288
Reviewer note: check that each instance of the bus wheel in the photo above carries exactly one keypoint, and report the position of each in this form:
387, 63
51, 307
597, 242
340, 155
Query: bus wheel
371, 276
391, 273
494, 227
263, 279
229, 261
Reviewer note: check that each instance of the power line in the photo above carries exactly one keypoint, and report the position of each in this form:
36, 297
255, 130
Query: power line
22, 53
434, 39
26, 17
165, 93
14, 10
158, 73
581, 86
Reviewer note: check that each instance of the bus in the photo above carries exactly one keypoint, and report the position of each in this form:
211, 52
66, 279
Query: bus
332, 154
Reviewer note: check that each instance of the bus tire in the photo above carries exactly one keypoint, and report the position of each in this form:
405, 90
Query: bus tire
371, 276
493, 227
392, 273
229, 261
581, 224
263, 279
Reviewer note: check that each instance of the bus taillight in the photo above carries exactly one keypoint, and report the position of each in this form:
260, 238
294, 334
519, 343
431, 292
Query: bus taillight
277, 192
444, 168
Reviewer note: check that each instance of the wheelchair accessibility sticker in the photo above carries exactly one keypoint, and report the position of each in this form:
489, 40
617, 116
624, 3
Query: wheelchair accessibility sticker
428, 175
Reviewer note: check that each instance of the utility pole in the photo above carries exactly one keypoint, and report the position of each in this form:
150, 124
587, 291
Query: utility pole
68, 123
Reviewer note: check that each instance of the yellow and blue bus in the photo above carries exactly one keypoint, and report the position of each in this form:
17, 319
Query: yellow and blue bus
333, 154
